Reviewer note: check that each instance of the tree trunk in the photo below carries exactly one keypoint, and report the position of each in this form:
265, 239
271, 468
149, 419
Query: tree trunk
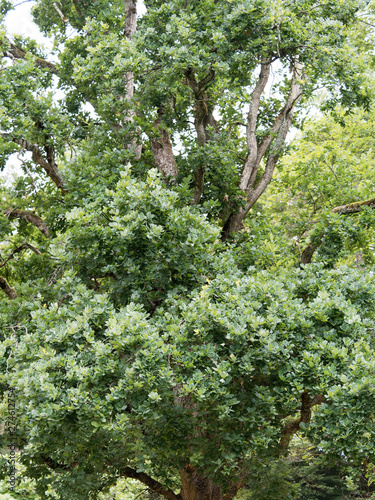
197, 487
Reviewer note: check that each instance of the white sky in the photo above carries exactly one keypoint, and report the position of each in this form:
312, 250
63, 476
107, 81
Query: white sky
20, 21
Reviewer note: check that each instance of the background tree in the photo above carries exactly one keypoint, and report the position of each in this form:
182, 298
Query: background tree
324, 187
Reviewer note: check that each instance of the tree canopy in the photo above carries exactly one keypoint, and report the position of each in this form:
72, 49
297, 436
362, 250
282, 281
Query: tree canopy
152, 325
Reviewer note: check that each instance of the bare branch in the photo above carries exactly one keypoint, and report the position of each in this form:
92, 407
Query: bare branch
282, 126
35, 220
151, 483
4, 285
274, 143
63, 18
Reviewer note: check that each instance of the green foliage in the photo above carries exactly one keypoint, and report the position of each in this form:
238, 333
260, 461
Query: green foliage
139, 341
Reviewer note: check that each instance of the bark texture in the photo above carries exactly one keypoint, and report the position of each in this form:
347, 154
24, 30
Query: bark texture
4, 285
162, 148
353, 208
129, 30
194, 486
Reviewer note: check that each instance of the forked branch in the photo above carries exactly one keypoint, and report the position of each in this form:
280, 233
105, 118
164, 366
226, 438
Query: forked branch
291, 428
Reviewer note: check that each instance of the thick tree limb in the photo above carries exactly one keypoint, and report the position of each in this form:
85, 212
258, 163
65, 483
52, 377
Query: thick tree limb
162, 148
292, 428
15, 52
353, 208
251, 160
129, 30
273, 143
4, 285
203, 119
276, 139
151, 483
35, 220
48, 164
198, 487
24, 246
309, 251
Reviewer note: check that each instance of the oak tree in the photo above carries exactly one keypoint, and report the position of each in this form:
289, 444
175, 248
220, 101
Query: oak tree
138, 341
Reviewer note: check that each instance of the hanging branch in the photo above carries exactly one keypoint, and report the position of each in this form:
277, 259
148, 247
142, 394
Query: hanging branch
35, 220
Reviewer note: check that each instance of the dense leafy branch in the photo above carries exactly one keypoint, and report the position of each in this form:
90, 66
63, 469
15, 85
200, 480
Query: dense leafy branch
203, 119
349, 209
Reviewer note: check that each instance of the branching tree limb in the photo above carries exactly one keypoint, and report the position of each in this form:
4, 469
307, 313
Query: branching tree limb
291, 428
272, 143
35, 220
250, 164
